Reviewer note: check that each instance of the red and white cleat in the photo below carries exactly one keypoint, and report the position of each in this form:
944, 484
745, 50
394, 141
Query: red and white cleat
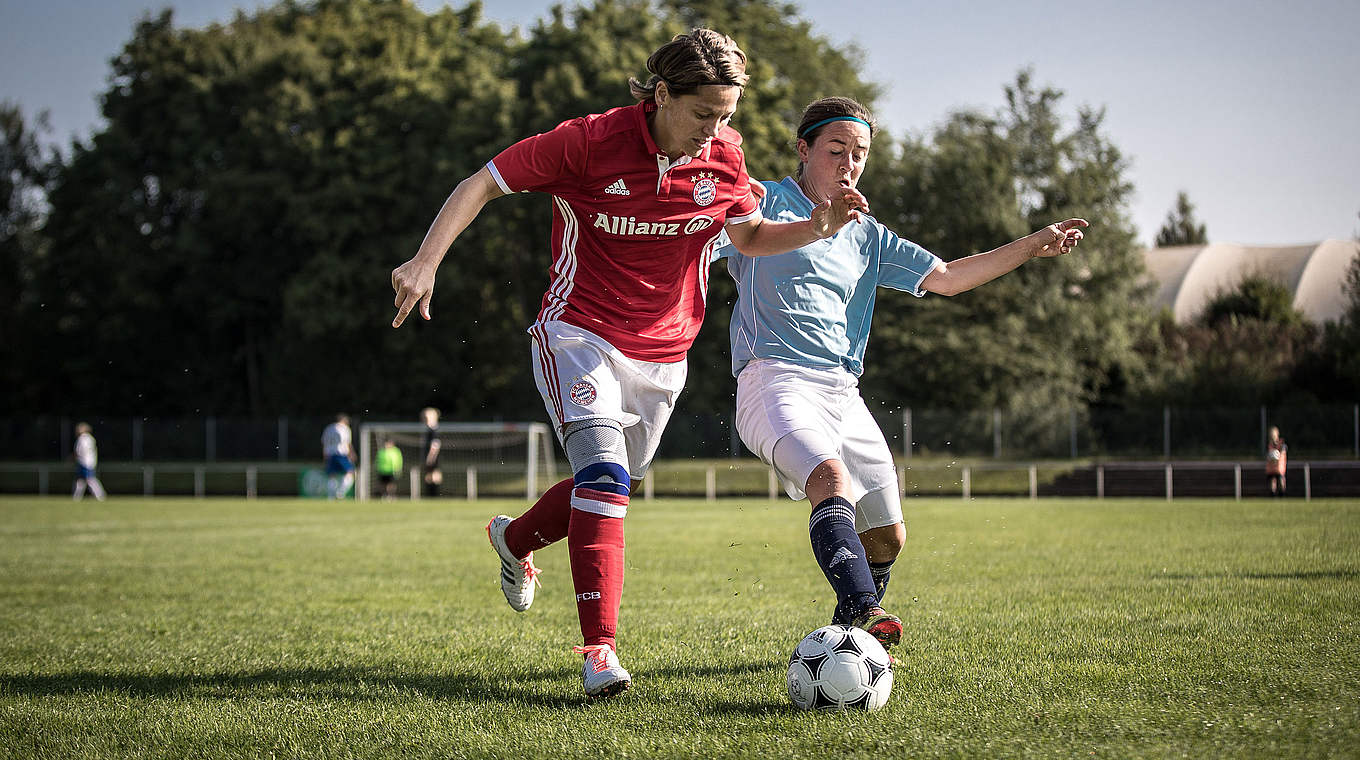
882, 626
601, 672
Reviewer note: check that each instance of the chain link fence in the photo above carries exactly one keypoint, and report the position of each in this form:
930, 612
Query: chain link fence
1325, 431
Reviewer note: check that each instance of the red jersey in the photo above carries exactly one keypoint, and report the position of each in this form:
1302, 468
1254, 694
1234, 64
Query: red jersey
632, 230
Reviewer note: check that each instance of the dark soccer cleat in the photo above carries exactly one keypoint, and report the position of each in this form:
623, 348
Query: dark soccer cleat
882, 626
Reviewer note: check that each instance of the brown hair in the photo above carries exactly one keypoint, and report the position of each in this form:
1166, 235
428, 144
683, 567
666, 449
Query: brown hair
831, 108
690, 61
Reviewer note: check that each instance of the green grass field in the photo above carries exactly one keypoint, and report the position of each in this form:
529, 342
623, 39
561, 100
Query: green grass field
226, 628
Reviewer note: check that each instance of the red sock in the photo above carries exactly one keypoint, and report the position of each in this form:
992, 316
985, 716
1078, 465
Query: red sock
544, 524
595, 543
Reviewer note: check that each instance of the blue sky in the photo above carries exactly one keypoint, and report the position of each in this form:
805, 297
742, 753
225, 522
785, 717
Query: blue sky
1253, 108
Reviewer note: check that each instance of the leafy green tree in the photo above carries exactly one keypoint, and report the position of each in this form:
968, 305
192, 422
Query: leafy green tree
233, 224
1332, 373
1181, 227
1250, 346
1053, 335
1242, 362
25, 175
223, 245
1256, 297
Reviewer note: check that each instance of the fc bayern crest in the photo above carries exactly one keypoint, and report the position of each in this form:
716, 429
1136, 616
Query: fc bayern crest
705, 189
582, 393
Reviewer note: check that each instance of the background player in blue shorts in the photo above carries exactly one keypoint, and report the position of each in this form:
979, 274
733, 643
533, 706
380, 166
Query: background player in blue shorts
798, 332
339, 453
87, 458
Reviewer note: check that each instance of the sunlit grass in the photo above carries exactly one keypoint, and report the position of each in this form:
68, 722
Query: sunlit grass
227, 628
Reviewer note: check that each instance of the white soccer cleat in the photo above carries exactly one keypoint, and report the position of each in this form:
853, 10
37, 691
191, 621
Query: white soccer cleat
601, 672
518, 575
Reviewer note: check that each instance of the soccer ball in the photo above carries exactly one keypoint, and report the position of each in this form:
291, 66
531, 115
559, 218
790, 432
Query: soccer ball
839, 667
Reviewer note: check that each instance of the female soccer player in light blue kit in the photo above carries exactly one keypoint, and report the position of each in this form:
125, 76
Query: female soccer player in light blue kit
799, 328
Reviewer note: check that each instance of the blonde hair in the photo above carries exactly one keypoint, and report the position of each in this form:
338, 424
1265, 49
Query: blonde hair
690, 61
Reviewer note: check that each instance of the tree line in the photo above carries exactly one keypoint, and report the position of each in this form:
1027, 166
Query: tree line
222, 243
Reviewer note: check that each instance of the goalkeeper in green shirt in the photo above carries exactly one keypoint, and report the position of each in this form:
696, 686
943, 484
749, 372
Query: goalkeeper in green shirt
388, 465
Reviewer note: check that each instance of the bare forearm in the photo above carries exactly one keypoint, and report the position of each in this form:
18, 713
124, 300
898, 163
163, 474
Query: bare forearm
462, 206
763, 237
770, 238
413, 282
971, 271
967, 273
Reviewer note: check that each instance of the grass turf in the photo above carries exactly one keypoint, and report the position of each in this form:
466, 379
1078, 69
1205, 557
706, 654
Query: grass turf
227, 628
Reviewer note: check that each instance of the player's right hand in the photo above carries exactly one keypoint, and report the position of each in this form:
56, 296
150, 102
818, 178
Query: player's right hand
829, 216
1064, 237
413, 283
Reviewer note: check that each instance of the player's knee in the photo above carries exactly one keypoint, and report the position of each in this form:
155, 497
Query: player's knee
897, 539
609, 477
883, 544
597, 454
830, 478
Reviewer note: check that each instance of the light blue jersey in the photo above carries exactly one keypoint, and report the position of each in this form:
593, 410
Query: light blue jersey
813, 305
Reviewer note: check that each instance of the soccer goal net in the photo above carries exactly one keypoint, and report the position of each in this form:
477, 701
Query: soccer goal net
491, 459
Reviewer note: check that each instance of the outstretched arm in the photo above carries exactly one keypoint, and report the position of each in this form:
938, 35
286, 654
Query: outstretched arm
969, 272
761, 237
414, 280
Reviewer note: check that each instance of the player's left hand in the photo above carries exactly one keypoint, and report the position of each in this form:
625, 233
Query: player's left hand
1061, 237
837, 211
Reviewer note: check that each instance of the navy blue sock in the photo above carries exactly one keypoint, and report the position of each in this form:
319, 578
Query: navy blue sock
880, 571
838, 550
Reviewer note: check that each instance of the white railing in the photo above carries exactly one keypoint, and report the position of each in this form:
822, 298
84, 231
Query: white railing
46, 475
1167, 480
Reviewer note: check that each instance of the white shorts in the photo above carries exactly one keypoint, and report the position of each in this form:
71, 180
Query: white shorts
581, 376
796, 417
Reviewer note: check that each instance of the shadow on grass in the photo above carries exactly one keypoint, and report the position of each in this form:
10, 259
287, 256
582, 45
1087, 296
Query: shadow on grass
348, 683
1302, 575
359, 684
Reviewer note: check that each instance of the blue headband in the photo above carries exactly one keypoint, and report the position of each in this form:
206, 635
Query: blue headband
804, 133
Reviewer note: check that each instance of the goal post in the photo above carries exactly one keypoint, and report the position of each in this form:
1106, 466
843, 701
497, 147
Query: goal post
500, 454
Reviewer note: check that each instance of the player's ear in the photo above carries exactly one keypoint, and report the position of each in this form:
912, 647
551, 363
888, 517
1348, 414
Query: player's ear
803, 150
663, 93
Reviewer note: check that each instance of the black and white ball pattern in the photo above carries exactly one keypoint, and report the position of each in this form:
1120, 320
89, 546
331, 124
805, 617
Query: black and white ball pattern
839, 667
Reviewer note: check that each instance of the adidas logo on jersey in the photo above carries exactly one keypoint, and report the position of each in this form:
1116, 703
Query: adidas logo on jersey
618, 188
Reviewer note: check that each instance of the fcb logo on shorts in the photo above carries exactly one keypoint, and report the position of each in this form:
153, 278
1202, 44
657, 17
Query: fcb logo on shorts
705, 189
582, 393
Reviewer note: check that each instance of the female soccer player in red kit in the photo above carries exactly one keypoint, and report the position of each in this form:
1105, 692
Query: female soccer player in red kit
640, 194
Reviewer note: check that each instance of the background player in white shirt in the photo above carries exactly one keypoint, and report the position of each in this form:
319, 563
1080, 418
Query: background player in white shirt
799, 329
87, 458
639, 195
339, 453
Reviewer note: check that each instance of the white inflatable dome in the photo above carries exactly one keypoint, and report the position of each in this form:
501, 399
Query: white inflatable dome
1189, 276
